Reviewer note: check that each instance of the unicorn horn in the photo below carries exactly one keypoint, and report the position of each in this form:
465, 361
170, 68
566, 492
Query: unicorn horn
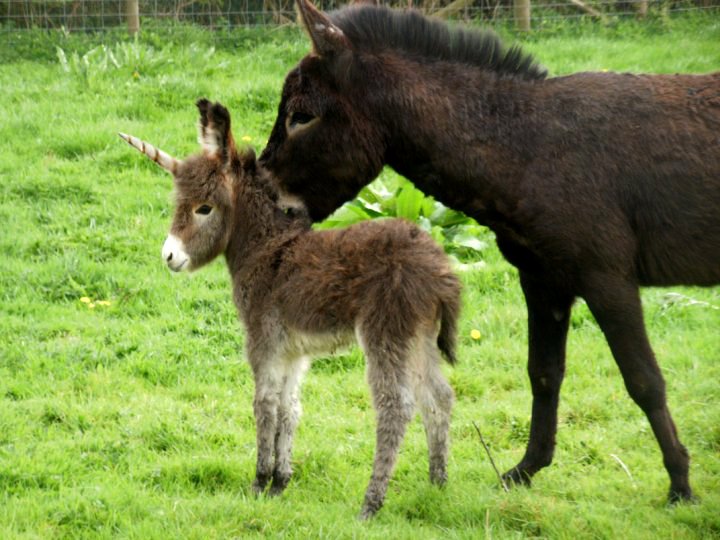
166, 161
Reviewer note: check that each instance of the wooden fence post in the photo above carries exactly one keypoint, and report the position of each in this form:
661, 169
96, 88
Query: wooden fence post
521, 12
132, 10
642, 8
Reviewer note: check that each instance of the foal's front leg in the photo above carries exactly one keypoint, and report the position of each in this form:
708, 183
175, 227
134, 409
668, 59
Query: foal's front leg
287, 419
268, 382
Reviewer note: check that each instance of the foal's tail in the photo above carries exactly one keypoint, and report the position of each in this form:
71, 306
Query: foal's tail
449, 313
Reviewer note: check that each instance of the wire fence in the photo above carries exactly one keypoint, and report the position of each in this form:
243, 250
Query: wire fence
100, 15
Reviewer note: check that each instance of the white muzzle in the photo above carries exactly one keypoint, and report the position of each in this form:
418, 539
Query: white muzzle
173, 253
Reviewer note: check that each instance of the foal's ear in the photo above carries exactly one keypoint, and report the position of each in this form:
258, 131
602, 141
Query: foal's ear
325, 36
214, 133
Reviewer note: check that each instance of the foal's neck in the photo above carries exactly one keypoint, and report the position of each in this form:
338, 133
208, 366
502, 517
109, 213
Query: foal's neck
260, 228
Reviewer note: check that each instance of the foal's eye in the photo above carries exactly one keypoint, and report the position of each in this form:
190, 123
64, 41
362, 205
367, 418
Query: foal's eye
203, 210
299, 118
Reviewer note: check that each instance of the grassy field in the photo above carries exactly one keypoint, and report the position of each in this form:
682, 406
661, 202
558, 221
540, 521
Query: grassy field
126, 404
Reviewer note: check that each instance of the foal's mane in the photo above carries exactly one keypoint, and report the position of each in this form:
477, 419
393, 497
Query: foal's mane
375, 28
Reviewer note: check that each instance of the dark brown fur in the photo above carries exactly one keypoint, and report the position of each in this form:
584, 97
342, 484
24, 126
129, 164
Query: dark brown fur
594, 183
301, 292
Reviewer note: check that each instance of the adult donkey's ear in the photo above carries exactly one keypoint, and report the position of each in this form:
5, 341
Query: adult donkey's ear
214, 133
326, 37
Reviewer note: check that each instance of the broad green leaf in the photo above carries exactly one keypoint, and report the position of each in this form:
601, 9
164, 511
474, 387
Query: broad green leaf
428, 205
469, 241
437, 234
409, 201
344, 216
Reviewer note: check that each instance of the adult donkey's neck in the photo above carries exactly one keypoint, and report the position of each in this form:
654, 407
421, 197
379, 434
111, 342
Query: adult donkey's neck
461, 134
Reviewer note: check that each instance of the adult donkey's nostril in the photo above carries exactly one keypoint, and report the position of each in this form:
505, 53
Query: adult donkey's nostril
169, 257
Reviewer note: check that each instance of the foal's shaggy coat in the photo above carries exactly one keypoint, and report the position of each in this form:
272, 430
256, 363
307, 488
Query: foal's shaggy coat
299, 292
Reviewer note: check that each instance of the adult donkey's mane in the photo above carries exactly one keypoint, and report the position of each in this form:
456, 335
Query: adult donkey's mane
374, 28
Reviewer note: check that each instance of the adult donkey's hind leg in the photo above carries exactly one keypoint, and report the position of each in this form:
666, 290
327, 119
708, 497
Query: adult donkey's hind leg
548, 319
394, 405
615, 304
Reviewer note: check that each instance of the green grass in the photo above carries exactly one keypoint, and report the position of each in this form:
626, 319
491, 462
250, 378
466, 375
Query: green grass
134, 419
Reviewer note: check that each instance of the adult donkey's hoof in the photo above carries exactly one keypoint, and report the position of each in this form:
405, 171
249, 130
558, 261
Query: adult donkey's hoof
516, 477
678, 496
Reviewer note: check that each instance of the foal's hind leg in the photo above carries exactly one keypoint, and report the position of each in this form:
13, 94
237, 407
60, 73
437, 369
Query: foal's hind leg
548, 319
616, 306
434, 397
287, 419
394, 405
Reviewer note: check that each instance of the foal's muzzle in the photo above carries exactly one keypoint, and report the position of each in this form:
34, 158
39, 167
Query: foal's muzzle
173, 253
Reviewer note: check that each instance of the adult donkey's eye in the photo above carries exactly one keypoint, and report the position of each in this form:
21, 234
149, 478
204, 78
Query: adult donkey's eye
300, 118
203, 210
297, 122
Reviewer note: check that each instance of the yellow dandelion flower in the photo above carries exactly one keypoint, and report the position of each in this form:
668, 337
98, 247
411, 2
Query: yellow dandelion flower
475, 334
91, 305
103, 302
85, 300
136, 75
246, 138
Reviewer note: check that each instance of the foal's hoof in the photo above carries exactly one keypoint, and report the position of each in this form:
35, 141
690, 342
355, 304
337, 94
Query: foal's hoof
279, 483
438, 478
369, 509
280, 480
516, 477
438, 481
259, 484
367, 513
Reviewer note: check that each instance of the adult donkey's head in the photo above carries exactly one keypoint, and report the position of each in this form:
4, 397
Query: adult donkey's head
325, 146
373, 91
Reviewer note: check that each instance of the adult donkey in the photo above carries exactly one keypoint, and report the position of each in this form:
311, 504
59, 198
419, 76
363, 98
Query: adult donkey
594, 183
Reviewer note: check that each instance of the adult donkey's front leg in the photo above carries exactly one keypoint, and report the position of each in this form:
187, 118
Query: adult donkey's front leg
548, 320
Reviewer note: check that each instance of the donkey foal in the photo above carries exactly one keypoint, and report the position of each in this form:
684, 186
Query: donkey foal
300, 292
